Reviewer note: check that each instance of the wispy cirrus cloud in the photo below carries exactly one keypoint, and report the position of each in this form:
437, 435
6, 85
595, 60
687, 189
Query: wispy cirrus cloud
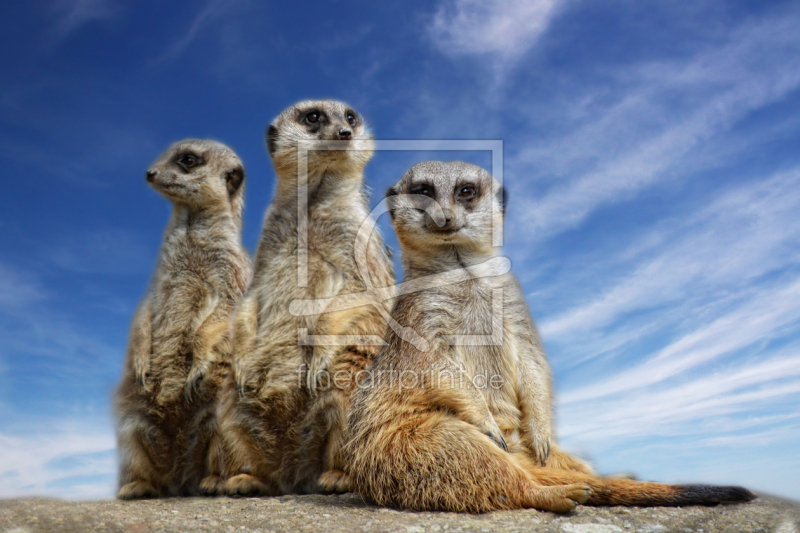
72, 459
663, 113
500, 30
102, 250
73, 14
722, 370
46, 359
18, 289
206, 16
749, 231
761, 317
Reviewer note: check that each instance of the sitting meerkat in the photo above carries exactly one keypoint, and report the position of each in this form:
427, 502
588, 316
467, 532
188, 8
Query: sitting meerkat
465, 424
179, 348
283, 411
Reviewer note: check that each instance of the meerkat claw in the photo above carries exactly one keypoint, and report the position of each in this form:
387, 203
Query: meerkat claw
193, 382
499, 440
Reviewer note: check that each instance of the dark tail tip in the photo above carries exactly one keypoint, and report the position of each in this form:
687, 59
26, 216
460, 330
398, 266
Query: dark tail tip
714, 495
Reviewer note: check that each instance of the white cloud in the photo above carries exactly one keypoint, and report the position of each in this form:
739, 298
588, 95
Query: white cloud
73, 460
504, 30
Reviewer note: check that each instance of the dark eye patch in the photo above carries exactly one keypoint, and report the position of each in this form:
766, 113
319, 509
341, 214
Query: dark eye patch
188, 160
313, 117
466, 191
424, 189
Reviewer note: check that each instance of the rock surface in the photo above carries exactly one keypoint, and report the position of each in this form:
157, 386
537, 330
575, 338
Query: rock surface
349, 514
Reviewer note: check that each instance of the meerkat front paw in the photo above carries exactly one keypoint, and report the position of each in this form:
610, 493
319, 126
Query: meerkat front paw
136, 490
562, 498
241, 377
211, 486
245, 485
540, 446
194, 380
333, 482
141, 369
318, 375
499, 440
491, 430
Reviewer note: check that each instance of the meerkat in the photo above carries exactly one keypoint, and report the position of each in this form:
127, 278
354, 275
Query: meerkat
464, 423
283, 411
180, 343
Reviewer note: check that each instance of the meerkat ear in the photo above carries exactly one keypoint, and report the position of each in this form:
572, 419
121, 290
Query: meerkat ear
234, 179
502, 198
391, 192
272, 140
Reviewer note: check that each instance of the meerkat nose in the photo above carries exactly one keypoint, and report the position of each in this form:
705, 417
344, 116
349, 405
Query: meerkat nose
151, 174
345, 134
448, 218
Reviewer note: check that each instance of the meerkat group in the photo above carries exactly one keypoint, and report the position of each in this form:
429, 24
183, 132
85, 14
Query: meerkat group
311, 371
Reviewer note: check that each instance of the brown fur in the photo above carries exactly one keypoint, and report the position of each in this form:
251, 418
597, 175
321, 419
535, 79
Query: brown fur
283, 420
425, 432
179, 349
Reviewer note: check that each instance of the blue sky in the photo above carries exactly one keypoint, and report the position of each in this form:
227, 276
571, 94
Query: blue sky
650, 154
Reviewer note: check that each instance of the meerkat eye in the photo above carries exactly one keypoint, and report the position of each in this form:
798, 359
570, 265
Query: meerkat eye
351, 119
466, 192
424, 189
189, 160
313, 117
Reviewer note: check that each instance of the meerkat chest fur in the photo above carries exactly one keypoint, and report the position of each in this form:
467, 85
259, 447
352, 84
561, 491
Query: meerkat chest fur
319, 150
444, 215
194, 274
481, 337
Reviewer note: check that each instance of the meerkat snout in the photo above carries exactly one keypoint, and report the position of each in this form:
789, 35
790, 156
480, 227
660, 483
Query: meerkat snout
150, 175
445, 224
345, 134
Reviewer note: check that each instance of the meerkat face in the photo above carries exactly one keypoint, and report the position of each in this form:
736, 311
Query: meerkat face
336, 130
199, 173
451, 204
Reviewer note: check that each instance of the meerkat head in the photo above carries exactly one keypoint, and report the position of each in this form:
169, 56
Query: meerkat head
200, 174
332, 133
452, 205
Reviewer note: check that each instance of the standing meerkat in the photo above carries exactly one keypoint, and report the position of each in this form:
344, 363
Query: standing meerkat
179, 348
284, 410
465, 424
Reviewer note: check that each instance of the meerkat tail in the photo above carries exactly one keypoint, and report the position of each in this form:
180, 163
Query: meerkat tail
444, 464
613, 491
